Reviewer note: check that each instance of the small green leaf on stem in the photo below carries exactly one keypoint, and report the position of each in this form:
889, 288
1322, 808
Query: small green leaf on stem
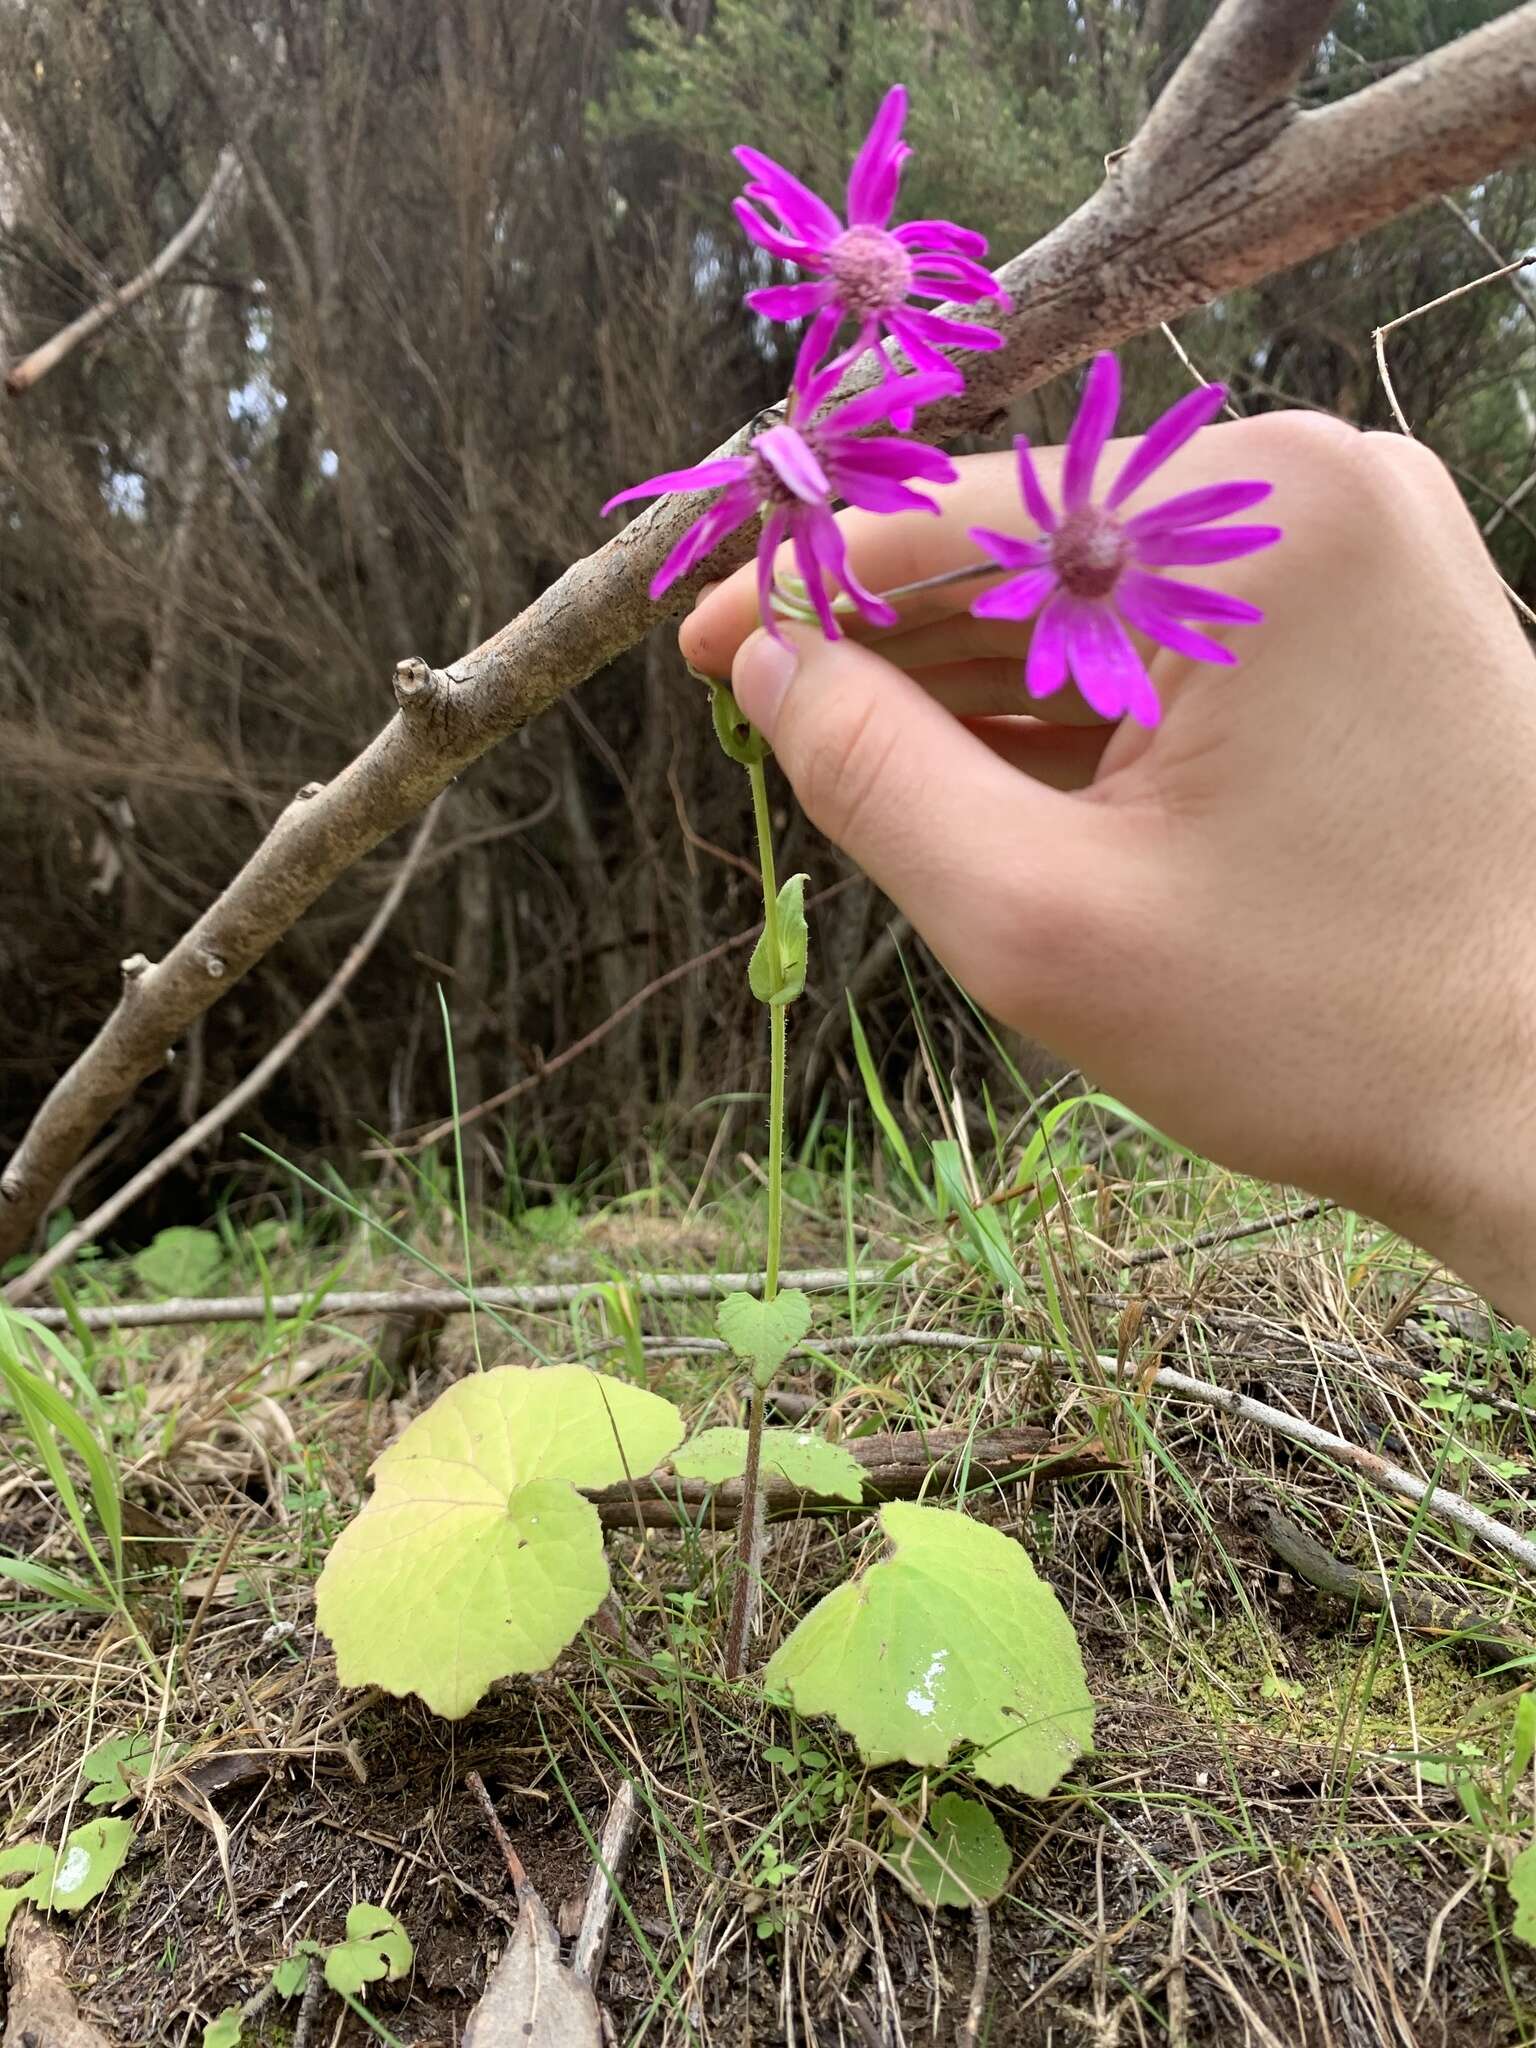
734, 730
793, 949
763, 1333
377, 1948
805, 1460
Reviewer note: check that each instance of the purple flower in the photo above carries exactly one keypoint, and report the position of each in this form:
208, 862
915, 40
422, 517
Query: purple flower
864, 269
792, 475
1093, 572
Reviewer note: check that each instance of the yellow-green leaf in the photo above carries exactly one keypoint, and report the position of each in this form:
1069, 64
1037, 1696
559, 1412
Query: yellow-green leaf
804, 1459
951, 1639
959, 1859
377, 1949
476, 1558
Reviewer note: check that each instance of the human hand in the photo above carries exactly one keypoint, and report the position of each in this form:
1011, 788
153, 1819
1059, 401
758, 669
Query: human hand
1294, 925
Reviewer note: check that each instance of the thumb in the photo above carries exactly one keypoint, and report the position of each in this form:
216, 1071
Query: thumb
992, 867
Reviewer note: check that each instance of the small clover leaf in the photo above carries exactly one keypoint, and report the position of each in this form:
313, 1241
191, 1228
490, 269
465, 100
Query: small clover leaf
763, 1333
1522, 1889
116, 1769
794, 946
476, 1557
377, 1948
960, 1859
952, 1638
806, 1461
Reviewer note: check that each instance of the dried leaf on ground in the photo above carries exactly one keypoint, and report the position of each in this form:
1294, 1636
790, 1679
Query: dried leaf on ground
532, 2000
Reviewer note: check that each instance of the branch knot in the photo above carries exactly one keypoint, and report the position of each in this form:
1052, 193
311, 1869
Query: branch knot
418, 686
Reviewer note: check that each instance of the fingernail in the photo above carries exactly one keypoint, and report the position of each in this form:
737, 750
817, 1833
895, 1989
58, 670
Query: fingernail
761, 676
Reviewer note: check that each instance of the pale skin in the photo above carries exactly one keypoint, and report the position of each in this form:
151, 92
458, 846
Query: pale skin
1295, 926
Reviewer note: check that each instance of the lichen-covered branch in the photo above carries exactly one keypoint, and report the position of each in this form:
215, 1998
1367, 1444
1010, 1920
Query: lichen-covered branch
1226, 183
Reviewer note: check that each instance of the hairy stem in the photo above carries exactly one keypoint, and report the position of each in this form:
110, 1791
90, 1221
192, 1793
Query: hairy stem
749, 1532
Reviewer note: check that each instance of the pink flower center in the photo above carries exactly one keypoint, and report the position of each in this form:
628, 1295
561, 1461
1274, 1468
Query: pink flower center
1088, 552
772, 492
871, 269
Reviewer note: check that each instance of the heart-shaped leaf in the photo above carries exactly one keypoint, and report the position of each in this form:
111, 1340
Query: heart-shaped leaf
115, 1769
763, 1333
950, 1639
291, 1975
225, 2031
377, 1949
476, 1557
959, 1859
181, 1260
805, 1460
794, 947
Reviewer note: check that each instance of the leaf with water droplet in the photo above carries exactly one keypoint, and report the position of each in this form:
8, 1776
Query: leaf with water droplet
88, 1862
805, 1460
476, 1557
950, 1639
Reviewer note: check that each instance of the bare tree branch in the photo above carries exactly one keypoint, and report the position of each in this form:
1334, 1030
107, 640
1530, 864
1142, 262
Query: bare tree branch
32, 368
196, 1134
1248, 186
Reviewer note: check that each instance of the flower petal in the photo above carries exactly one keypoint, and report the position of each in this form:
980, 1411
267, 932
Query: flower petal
1134, 597
775, 242
1045, 668
704, 476
1105, 666
1188, 600
877, 168
704, 536
1019, 598
1008, 549
942, 236
958, 278
885, 455
875, 493
799, 207
814, 343
1093, 426
775, 526
1165, 437
790, 301
881, 401
804, 533
1205, 544
794, 463
830, 549
946, 333
1196, 508
1031, 490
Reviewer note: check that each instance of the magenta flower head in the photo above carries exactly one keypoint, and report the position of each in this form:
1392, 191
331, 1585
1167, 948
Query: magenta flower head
1094, 571
863, 269
793, 475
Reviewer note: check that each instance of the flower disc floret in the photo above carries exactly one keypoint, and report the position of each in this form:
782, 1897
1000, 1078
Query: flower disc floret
1093, 571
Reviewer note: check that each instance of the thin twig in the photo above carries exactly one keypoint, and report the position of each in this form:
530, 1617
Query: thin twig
1230, 1234
510, 1857
196, 1135
32, 368
255, 1308
976, 2005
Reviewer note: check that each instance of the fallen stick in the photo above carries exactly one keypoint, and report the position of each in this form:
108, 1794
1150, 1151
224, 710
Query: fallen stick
40, 2009
1226, 182
255, 1308
898, 1465
613, 1849
1424, 1612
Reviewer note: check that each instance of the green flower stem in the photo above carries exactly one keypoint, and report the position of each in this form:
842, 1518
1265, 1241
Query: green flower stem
747, 1530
